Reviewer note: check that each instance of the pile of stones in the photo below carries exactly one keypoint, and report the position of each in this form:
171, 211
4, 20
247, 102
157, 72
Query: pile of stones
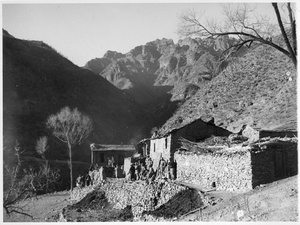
161, 197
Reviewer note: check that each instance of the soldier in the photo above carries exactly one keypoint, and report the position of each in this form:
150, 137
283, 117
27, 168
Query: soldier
171, 170
87, 180
131, 172
148, 162
150, 175
112, 161
79, 181
137, 171
143, 172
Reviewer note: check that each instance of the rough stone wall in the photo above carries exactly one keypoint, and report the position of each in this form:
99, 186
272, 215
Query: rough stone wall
230, 171
141, 196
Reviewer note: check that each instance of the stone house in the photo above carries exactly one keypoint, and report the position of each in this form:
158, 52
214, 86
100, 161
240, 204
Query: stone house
165, 144
238, 168
100, 153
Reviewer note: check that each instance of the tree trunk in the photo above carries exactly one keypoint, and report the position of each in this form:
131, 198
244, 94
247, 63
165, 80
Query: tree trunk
70, 165
287, 42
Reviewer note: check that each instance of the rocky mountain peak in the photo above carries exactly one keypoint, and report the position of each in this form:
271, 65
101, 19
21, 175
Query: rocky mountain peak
113, 55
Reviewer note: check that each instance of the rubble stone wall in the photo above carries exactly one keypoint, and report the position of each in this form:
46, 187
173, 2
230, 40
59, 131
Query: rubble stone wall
141, 196
230, 171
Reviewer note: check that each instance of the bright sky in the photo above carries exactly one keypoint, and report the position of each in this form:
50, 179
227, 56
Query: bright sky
82, 32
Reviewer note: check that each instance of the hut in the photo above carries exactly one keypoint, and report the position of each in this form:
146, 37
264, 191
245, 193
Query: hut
101, 153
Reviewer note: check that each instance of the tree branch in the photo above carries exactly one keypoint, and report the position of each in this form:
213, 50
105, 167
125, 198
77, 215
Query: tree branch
287, 42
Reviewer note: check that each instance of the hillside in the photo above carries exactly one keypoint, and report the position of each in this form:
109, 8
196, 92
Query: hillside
162, 74
163, 63
38, 82
258, 89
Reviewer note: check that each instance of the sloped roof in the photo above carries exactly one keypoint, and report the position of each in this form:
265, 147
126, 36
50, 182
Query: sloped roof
102, 147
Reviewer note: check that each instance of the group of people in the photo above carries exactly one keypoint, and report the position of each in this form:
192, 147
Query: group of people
98, 173
141, 171
138, 171
145, 171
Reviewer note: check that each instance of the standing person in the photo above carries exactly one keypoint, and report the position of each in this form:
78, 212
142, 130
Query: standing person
171, 170
136, 171
116, 171
79, 181
109, 162
131, 172
151, 174
148, 162
87, 180
112, 161
143, 172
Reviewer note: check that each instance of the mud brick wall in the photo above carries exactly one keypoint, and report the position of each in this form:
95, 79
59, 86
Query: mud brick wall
292, 158
230, 171
263, 167
160, 147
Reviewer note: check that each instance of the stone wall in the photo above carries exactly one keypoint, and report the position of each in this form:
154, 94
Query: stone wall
145, 198
229, 171
273, 161
239, 168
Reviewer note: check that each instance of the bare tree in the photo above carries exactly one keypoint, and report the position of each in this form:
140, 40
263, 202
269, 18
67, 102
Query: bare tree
17, 190
70, 127
41, 147
23, 184
246, 26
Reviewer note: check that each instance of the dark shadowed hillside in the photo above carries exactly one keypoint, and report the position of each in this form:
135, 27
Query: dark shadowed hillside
37, 82
258, 89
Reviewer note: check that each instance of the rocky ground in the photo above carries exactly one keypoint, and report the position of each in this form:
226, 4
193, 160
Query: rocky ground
277, 201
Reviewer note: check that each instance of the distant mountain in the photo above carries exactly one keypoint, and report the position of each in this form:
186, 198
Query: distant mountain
37, 82
258, 89
163, 63
161, 74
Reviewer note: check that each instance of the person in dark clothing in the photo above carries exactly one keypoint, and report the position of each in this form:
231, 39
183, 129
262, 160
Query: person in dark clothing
131, 172
87, 180
137, 171
80, 181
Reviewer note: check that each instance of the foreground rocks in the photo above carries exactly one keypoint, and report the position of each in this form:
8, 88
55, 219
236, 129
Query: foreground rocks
160, 200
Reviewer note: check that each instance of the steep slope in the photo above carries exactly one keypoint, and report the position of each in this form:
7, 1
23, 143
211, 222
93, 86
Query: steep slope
160, 74
258, 89
37, 82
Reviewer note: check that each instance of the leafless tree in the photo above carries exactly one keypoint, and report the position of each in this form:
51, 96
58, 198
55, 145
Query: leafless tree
17, 191
24, 183
246, 26
70, 127
41, 147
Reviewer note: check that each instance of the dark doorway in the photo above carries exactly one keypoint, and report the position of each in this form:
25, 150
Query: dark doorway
280, 164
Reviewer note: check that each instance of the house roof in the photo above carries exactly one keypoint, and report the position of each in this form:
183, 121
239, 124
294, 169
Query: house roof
102, 147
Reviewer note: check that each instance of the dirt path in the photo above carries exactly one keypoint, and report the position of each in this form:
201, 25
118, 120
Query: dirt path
277, 201
44, 208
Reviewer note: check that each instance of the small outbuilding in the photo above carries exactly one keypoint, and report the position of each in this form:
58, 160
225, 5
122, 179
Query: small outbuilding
101, 153
239, 168
165, 144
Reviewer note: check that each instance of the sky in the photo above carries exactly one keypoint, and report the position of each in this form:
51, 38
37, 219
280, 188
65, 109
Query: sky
82, 31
